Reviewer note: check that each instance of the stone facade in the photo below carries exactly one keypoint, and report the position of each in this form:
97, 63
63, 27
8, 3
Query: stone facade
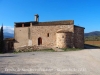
64, 40
62, 34
42, 31
78, 37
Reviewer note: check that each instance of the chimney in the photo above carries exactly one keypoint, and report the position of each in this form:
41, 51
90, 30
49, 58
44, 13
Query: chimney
37, 18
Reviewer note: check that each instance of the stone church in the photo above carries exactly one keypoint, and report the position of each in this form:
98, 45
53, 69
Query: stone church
61, 34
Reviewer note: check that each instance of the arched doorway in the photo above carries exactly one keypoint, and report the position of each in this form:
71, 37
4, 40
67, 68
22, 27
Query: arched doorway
39, 41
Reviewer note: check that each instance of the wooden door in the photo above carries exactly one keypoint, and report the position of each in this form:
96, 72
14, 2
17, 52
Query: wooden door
39, 41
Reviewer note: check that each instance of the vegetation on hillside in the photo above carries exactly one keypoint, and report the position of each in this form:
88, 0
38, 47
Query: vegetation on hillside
94, 33
92, 38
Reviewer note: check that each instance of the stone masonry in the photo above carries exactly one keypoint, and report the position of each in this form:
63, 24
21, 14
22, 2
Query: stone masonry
61, 34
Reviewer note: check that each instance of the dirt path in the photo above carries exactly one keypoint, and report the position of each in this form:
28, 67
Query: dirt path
83, 62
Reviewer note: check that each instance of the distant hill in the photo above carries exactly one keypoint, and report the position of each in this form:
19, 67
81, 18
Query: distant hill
8, 35
94, 33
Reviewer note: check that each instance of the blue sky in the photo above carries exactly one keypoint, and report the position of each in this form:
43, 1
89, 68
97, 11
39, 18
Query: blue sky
85, 13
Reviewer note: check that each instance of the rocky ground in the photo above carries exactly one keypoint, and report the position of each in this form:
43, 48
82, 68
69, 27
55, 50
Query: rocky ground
83, 62
31, 48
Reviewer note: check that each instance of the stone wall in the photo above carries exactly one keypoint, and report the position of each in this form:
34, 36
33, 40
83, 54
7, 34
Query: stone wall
21, 34
78, 37
25, 36
64, 40
42, 31
21, 37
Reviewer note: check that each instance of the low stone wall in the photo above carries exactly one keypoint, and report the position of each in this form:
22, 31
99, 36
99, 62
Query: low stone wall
31, 48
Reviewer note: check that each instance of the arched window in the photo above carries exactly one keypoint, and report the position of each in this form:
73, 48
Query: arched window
39, 41
47, 34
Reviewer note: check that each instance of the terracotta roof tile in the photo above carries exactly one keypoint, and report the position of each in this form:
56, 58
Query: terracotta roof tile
66, 22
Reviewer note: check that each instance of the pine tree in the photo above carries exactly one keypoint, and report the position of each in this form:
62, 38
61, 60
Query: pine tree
1, 39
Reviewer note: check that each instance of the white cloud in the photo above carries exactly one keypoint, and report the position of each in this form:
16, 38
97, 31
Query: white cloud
8, 29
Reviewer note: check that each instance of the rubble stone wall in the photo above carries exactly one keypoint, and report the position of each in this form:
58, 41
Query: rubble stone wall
64, 40
49, 36
78, 37
22, 34
43, 31
21, 37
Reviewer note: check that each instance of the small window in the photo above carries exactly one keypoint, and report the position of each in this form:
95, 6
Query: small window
62, 36
47, 34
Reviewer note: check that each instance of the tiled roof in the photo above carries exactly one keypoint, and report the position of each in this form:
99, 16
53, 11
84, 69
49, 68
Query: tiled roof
66, 22
78, 26
9, 39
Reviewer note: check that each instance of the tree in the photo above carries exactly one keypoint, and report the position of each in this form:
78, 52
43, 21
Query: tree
1, 39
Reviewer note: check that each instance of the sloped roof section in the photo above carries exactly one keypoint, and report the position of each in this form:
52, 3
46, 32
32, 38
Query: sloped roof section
64, 22
79, 26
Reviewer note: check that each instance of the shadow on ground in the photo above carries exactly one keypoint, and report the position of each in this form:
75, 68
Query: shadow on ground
17, 74
87, 46
7, 56
29, 74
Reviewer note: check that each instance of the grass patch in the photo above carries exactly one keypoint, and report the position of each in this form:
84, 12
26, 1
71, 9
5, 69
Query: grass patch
48, 50
71, 49
16, 52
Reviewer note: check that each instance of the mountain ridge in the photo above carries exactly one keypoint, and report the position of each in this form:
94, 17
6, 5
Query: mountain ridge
8, 35
93, 33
